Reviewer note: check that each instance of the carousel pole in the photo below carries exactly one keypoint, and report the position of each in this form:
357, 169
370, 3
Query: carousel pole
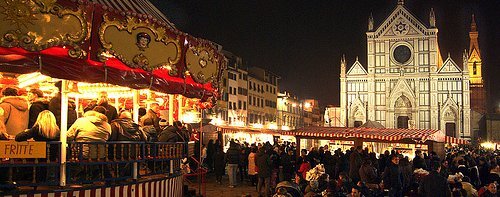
170, 109
200, 139
179, 107
136, 120
64, 129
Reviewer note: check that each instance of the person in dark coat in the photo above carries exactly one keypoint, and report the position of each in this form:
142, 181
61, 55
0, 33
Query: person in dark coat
368, 173
418, 161
434, 185
38, 104
111, 112
392, 177
55, 107
124, 129
172, 133
264, 166
210, 155
355, 161
150, 122
233, 159
286, 165
219, 164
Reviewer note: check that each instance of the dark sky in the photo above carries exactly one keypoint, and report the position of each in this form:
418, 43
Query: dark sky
302, 41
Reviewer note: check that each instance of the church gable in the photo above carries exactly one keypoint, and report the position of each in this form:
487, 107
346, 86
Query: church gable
400, 22
357, 69
449, 66
402, 87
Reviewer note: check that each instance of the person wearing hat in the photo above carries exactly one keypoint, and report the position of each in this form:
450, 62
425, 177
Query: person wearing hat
37, 105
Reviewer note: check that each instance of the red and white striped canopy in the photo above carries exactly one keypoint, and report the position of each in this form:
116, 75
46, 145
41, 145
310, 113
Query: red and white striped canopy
229, 129
369, 133
453, 140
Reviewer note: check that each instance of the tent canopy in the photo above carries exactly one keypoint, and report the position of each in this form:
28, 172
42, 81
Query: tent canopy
372, 124
368, 133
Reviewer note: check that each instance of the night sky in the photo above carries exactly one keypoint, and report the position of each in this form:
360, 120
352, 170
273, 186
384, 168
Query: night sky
302, 41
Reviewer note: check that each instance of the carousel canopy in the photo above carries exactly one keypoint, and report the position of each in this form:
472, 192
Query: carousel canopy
126, 43
368, 133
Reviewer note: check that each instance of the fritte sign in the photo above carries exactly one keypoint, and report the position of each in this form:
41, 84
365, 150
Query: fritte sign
13, 149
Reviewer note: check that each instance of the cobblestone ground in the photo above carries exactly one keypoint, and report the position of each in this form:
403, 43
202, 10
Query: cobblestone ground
213, 189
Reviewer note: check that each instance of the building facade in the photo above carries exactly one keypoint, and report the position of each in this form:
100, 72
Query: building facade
232, 107
289, 111
406, 84
262, 97
311, 113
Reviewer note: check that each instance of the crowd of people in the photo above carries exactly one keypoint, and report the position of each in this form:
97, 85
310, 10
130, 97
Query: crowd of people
33, 116
355, 172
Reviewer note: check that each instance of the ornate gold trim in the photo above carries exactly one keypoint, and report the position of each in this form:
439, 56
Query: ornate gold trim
198, 74
35, 13
139, 60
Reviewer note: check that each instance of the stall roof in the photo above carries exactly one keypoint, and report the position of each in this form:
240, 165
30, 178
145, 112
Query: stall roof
372, 124
454, 140
368, 133
232, 129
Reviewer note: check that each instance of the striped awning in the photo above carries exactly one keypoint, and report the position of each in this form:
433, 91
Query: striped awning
454, 140
421, 135
229, 129
144, 7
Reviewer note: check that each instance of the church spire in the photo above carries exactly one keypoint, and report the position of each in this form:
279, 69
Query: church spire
465, 60
342, 65
401, 2
473, 35
370, 22
473, 24
432, 18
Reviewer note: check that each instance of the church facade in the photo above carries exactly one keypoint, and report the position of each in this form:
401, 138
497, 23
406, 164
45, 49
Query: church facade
407, 83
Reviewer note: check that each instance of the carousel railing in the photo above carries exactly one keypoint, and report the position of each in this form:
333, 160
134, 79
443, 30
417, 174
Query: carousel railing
32, 172
91, 162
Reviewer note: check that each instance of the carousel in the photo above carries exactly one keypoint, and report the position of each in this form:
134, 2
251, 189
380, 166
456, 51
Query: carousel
127, 49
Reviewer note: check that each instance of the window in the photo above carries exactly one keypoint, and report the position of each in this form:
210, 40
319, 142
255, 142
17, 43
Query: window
230, 105
224, 82
244, 105
267, 88
239, 104
234, 105
250, 100
474, 69
424, 117
380, 99
423, 99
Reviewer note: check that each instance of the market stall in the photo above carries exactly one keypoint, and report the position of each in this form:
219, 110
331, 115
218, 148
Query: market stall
249, 135
405, 141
